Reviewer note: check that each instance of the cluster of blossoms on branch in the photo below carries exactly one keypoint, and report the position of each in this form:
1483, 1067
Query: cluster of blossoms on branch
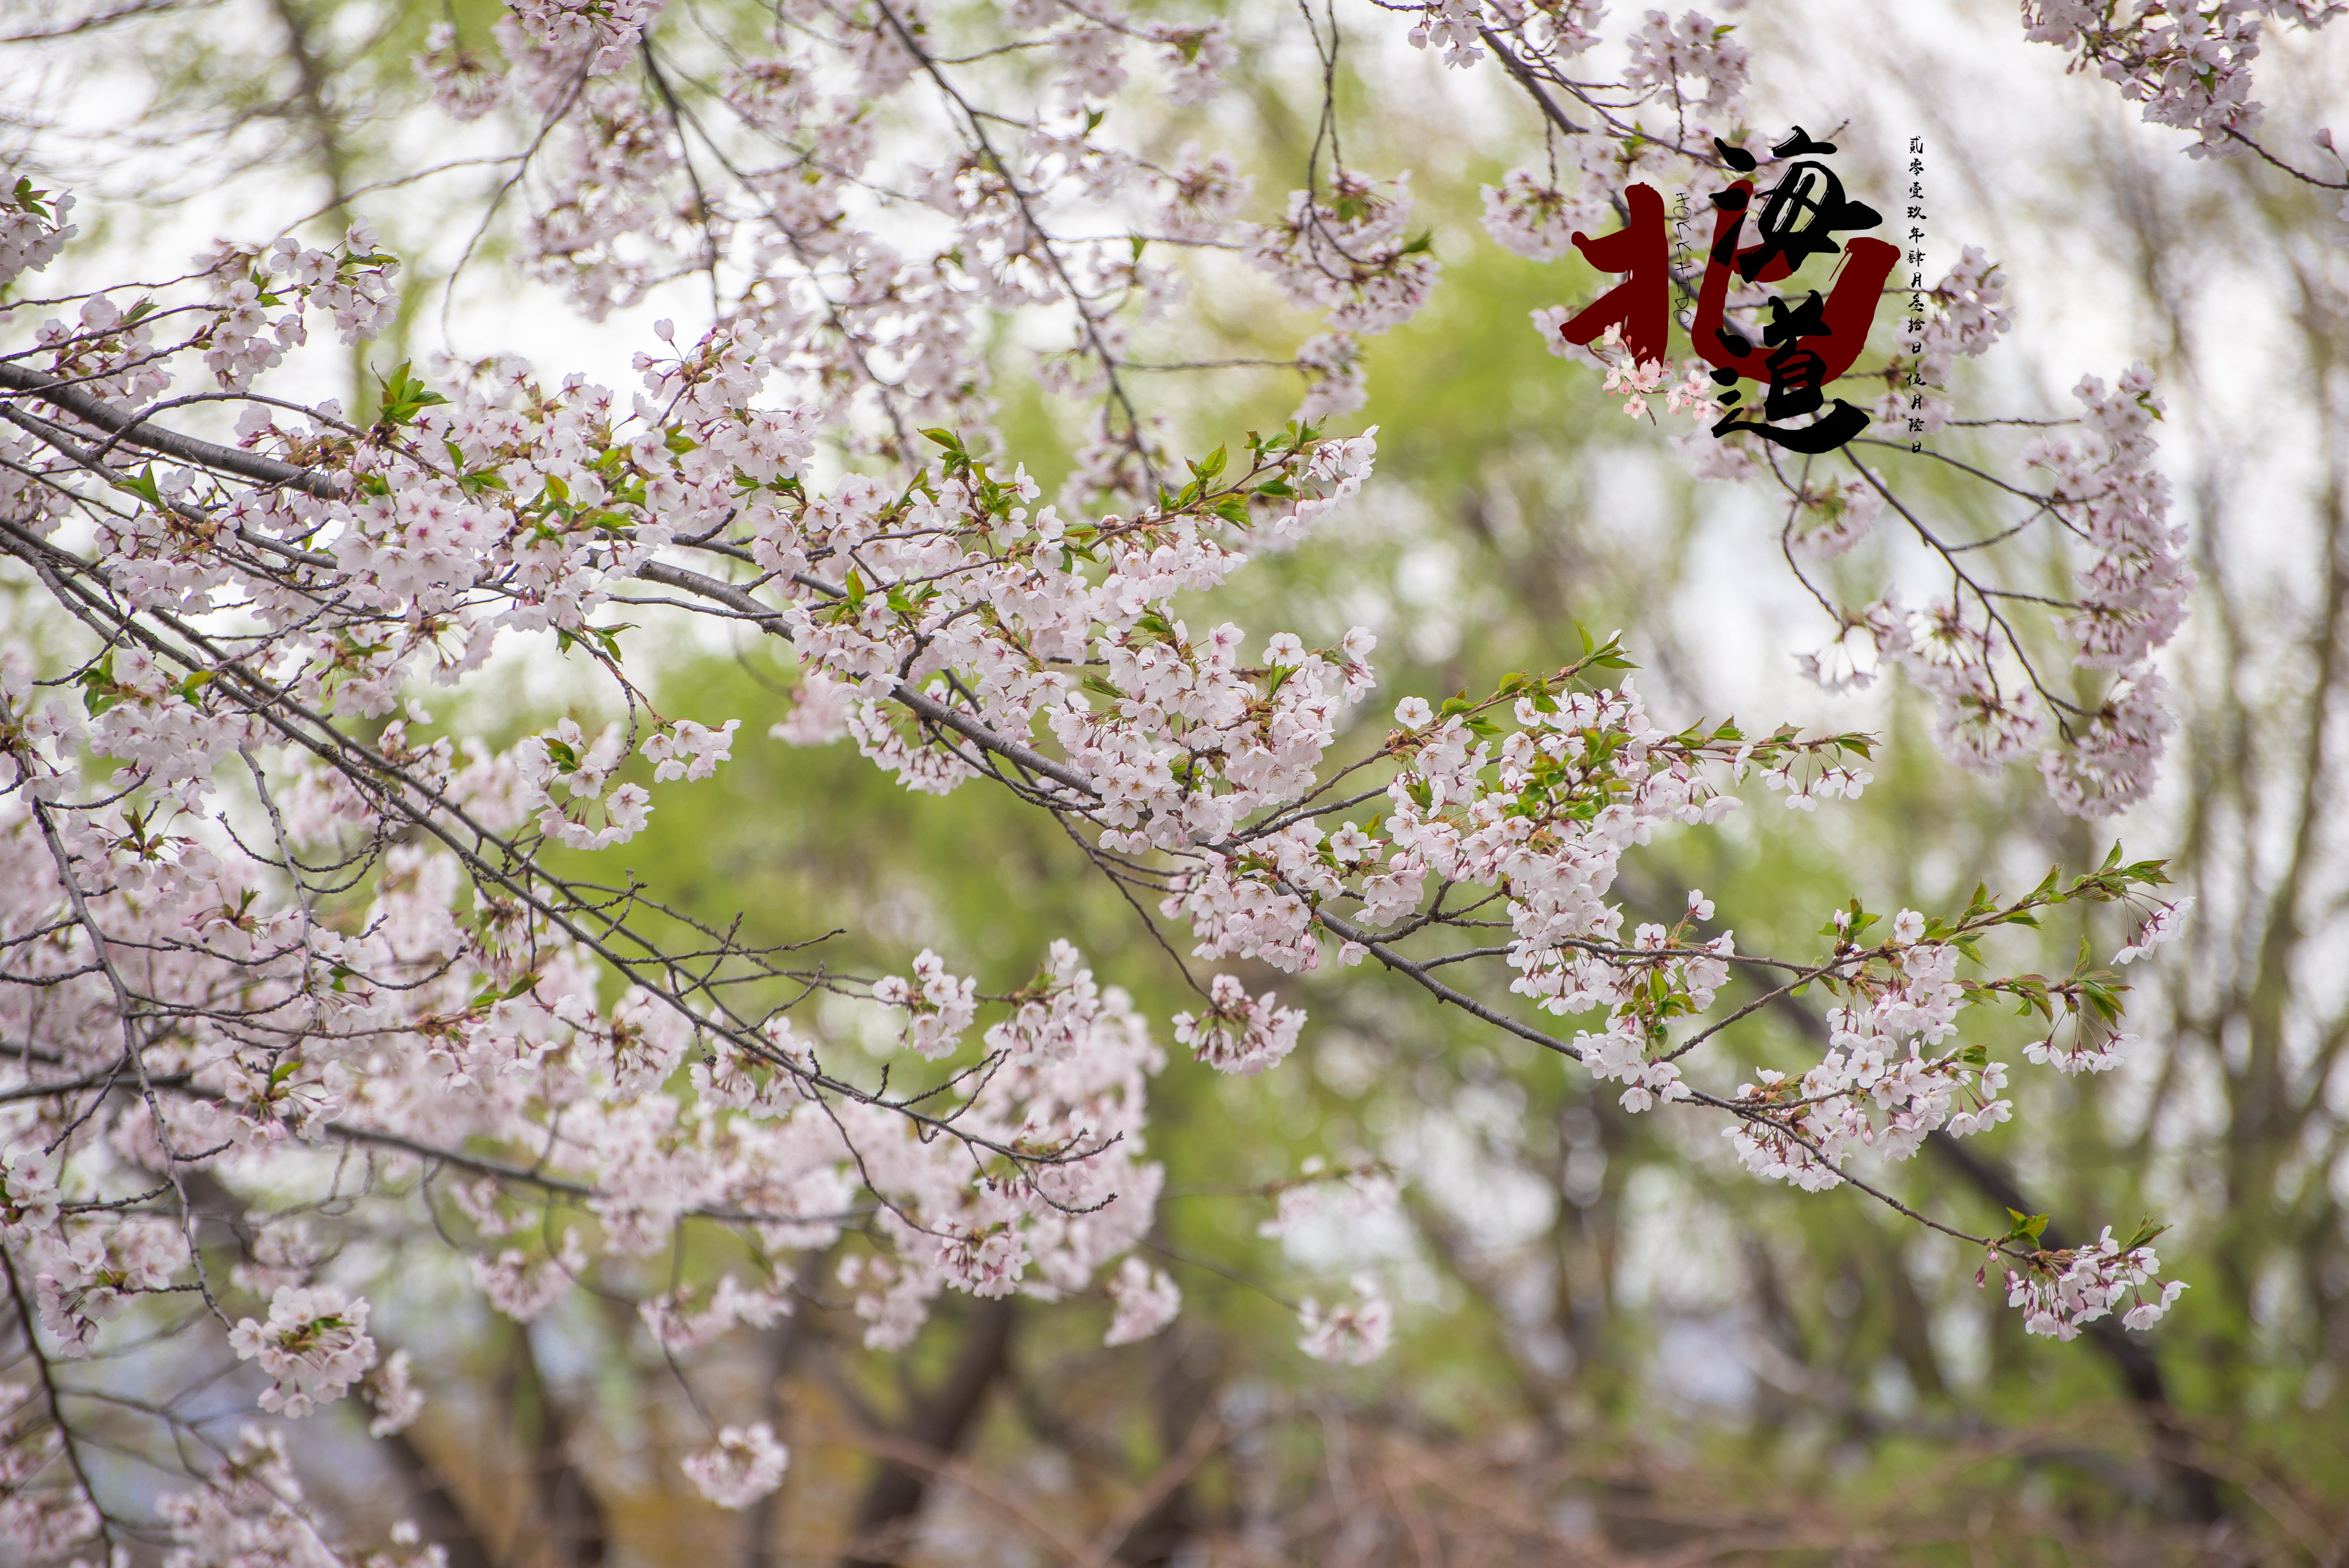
879, 268
2188, 64
2062, 1294
210, 987
281, 933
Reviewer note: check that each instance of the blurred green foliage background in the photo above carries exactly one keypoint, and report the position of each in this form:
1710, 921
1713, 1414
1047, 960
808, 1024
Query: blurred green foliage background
1615, 1344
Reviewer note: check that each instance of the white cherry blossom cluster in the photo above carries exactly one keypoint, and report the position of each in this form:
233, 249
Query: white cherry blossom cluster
1827, 522
1964, 316
1195, 58
1879, 1087
2134, 592
1068, 1067
1188, 739
1336, 385
1452, 26
88, 1272
1681, 86
509, 507
1547, 29
1353, 1333
1147, 1300
1636, 382
314, 1346
391, 1388
456, 521
2134, 589
1239, 1032
808, 236
1665, 53
2189, 64
1347, 251
1985, 713
1344, 1197
1200, 192
744, 1465
33, 229
517, 1284
42, 1520
938, 1006
351, 283
2061, 1293
464, 83
1529, 216
250, 1509
678, 1328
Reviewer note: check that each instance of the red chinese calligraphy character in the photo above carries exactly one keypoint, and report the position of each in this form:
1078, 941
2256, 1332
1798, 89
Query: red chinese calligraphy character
1641, 304
1850, 308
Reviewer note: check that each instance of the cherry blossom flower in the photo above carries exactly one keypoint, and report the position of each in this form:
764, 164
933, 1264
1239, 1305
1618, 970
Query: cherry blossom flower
2166, 924
1239, 1034
1147, 1301
2062, 1292
314, 1347
397, 1400
1532, 217
1195, 58
744, 1465
1348, 1334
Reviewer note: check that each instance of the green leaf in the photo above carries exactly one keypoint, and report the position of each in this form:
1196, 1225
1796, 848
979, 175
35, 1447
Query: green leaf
143, 486
404, 397
99, 691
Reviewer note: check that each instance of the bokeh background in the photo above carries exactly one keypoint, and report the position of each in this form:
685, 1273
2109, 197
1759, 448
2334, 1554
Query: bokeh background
1613, 1345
